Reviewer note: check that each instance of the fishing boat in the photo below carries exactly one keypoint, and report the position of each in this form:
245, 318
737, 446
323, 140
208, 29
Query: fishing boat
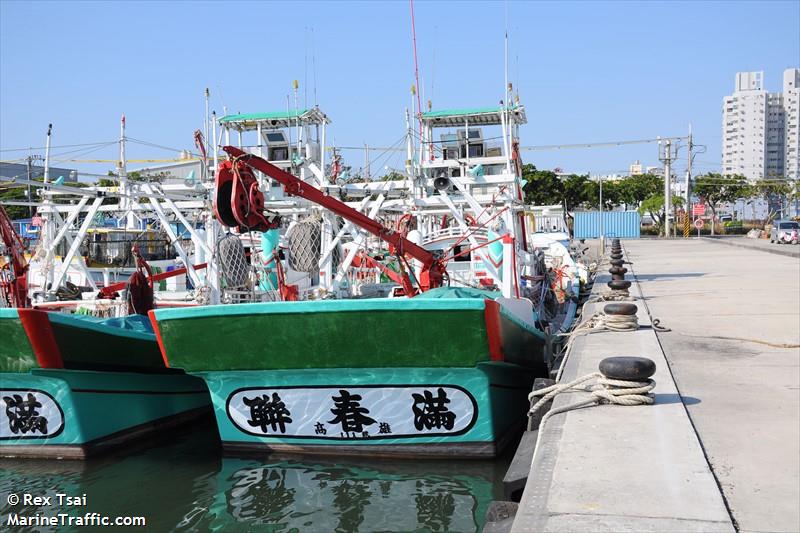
61, 398
441, 367
73, 385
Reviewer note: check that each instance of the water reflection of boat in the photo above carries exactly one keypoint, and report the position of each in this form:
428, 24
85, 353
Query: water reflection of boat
207, 493
379, 496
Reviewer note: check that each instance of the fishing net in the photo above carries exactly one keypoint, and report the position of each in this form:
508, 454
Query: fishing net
304, 240
233, 262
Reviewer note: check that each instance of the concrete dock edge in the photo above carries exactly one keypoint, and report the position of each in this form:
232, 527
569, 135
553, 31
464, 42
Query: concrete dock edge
620, 468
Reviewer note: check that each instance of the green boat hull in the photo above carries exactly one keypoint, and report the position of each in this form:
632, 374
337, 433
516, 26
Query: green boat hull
16, 353
76, 413
388, 412
436, 333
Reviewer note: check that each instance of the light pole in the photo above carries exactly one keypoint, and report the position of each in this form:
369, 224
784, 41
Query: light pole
602, 227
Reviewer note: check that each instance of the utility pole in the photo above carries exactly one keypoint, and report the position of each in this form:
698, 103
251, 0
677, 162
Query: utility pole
667, 158
30, 159
28, 194
366, 163
689, 172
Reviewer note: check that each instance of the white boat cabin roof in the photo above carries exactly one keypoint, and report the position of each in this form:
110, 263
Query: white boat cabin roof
274, 119
475, 116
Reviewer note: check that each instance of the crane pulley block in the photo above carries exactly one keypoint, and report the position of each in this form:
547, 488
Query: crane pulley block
239, 202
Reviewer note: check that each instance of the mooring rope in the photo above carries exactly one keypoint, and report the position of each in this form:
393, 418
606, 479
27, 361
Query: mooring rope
611, 295
604, 391
605, 322
596, 323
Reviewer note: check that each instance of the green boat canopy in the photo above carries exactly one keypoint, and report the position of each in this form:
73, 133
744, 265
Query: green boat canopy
274, 119
475, 116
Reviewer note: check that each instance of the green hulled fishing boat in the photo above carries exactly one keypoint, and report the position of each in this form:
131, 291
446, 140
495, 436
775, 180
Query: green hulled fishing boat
73, 386
444, 373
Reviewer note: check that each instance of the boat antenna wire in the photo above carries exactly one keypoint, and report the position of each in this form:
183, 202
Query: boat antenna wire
305, 68
416, 65
314, 65
505, 56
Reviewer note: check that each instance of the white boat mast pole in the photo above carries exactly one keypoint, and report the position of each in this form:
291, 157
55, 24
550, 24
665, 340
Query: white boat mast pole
212, 228
506, 128
466, 141
205, 123
47, 224
214, 134
124, 202
260, 141
297, 119
410, 177
47, 155
322, 148
227, 129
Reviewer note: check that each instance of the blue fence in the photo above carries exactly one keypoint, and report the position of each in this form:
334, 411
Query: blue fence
620, 224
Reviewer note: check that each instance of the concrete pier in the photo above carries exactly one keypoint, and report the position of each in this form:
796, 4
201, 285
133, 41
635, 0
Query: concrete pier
720, 448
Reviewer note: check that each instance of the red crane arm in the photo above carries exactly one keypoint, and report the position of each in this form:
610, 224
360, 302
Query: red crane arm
431, 266
16, 290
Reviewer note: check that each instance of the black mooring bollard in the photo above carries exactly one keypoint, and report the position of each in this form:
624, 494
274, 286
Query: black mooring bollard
619, 284
628, 368
620, 308
617, 270
617, 262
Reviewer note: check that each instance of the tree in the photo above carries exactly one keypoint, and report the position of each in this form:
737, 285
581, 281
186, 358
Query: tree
575, 193
773, 191
15, 194
714, 189
654, 206
542, 187
611, 194
393, 176
635, 189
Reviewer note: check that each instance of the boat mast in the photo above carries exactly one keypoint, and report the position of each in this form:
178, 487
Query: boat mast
124, 202
416, 68
47, 222
205, 123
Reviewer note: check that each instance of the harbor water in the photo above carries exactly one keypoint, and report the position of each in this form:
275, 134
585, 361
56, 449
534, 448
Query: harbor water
186, 484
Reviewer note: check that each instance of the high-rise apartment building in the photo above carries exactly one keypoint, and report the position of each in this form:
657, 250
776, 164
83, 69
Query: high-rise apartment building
791, 106
759, 129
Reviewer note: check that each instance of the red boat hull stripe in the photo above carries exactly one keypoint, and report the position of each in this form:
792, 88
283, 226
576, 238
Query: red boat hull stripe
151, 315
493, 333
40, 334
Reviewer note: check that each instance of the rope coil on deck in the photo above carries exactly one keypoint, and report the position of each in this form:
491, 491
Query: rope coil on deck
604, 391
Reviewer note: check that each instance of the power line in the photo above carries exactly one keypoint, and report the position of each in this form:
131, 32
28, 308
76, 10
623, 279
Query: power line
54, 147
599, 144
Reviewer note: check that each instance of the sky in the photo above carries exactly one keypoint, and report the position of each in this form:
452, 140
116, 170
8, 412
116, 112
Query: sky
585, 71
